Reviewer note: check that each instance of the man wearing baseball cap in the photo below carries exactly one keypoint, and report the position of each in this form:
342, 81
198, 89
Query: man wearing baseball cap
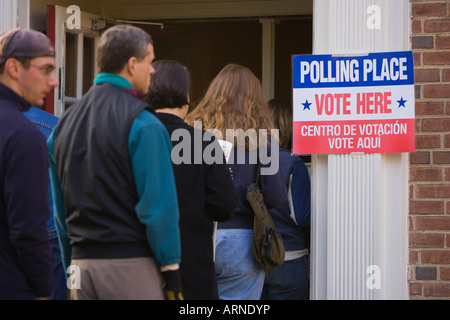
27, 64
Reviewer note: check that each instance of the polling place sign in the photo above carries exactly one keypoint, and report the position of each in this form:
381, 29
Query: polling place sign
347, 104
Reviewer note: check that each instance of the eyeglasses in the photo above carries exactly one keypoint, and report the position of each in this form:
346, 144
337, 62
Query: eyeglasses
45, 69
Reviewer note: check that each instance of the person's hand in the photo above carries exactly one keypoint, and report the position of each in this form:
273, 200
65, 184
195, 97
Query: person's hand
172, 287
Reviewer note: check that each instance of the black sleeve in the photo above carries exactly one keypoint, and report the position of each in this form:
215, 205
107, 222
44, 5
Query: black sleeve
221, 195
26, 193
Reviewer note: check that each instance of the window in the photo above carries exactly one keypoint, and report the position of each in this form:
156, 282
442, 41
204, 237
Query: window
79, 67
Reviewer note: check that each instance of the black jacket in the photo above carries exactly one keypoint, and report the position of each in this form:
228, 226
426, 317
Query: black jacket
25, 257
95, 174
205, 194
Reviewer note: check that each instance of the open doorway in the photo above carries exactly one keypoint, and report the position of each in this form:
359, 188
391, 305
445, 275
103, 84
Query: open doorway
205, 47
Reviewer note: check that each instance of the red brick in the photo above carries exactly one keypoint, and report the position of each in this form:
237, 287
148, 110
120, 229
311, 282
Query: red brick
433, 223
443, 42
427, 75
419, 157
413, 257
428, 9
426, 174
436, 57
446, 75
447, 174
436, 289
435, 125
445, 273
430, 108
428, 141
417, 58
415, 289
441, 157
436, 256
437, 91
435, 26
435, 191
426, 240
426, 207
416, 26
447, 141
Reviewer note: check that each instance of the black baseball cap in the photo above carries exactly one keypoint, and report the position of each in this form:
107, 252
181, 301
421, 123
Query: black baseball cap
24, 43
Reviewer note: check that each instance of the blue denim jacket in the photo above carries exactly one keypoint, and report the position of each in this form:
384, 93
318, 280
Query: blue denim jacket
45, 122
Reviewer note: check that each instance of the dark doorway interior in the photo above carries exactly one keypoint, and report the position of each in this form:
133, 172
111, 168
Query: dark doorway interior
206, 47
292, 36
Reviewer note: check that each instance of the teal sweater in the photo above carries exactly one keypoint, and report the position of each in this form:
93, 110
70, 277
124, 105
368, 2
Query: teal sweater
157, 208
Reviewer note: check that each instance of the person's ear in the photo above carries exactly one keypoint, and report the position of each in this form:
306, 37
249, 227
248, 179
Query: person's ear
12, 67
131, 65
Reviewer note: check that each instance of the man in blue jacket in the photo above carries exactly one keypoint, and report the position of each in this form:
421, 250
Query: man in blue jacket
116, 209
46, 122
27, 64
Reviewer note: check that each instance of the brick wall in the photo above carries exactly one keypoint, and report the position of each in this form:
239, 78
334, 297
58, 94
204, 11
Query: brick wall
429, 239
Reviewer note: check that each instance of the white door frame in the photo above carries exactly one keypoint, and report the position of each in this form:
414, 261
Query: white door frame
360, 201
13, 14
82, 30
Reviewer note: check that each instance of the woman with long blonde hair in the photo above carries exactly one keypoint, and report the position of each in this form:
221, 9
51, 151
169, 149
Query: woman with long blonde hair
234, 107
234, 100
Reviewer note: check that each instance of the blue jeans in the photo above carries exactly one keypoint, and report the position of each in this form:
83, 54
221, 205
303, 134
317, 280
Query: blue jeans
288, 281
239, 276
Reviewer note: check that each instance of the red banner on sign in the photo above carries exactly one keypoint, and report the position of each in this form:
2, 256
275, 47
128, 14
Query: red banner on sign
370, 136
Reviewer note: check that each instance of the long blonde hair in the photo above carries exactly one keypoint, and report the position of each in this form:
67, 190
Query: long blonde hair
234, 100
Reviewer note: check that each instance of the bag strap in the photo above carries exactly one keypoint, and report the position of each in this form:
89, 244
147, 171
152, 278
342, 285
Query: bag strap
259, 178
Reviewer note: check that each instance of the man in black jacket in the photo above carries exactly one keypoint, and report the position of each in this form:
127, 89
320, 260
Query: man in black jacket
116, 210
27, 64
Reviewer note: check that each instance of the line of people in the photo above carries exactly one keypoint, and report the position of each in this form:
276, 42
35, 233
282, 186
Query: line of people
138, 225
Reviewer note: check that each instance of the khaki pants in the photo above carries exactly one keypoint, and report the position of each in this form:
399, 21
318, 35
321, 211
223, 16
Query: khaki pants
118, 279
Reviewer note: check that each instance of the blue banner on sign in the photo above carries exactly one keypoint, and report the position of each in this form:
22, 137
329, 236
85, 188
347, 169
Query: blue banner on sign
374, 69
